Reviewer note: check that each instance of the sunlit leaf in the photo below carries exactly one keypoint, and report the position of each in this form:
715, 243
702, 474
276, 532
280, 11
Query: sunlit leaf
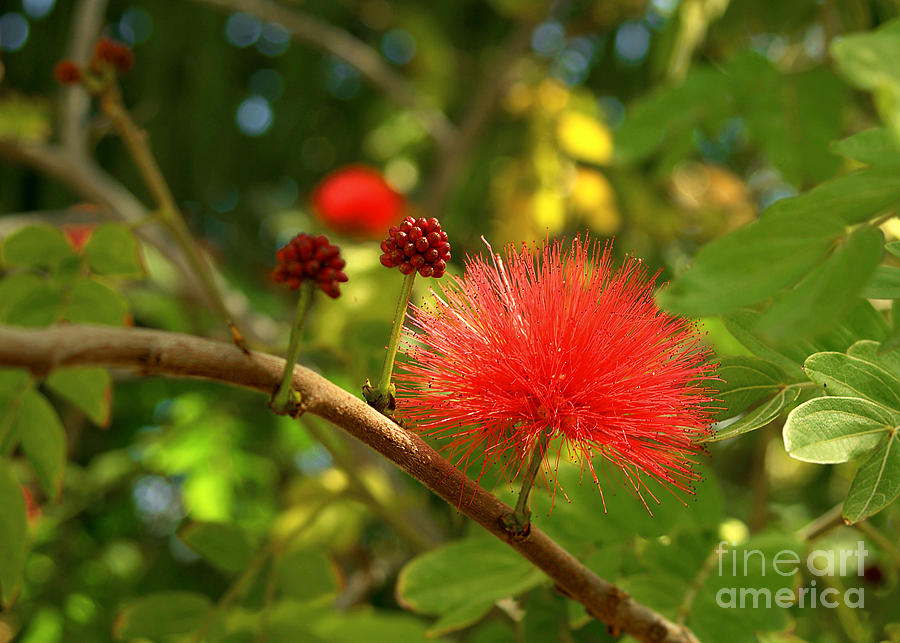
844, 375
835, 429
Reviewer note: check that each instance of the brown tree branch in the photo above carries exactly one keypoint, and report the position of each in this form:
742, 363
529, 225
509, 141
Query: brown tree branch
155, 352
351, 50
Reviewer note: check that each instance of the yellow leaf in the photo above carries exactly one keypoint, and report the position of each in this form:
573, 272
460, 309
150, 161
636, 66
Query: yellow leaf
585, 138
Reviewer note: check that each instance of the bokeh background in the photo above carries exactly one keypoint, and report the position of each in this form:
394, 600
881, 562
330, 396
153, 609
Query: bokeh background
660, 124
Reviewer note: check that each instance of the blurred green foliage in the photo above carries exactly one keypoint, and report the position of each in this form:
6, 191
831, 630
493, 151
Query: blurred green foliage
746, 149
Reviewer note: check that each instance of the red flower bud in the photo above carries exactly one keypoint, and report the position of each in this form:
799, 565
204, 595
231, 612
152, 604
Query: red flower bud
307, 257
417, 244
67, 72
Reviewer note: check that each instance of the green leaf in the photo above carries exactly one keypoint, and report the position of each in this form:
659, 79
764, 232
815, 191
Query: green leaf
759, 416
37, 246
877, 483
90, 389
884, 284
355, 626
870, 351
29, 300
746, 380
851, 198
751, 264
113, 250
13, 535
893, 247
162, 614
43, 440
873, 146
91, 302
742, 325
306, 574
546, 617
222, 545
474, 574
828, 292
872, 61
844, 375
827, 430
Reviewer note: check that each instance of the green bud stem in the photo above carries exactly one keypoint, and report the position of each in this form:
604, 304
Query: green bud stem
286, 401
382, 396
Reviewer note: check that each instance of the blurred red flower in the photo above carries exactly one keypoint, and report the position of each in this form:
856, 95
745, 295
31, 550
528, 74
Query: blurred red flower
357, 201
554, 342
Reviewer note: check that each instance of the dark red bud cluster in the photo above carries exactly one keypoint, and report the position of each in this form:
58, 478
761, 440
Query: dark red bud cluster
106, 52
67, 72
417, 244
308, 257
114, 53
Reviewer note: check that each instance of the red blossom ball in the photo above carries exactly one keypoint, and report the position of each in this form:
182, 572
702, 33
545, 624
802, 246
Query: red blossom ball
308, 257
417, 244
554, 342
67, 72
115, 53
357, 201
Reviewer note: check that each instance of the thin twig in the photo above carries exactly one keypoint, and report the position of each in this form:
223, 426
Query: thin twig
87, 20
179, 355
823, 524
136, 140
687, 604
351, 50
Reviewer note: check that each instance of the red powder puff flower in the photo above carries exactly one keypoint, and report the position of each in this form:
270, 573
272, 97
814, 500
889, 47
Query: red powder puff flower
556, 343
308, 257
357, 201
67, 72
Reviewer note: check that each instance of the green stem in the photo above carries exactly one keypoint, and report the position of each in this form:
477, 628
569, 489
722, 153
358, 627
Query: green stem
382, 397
522, 512
285, 401
387, 371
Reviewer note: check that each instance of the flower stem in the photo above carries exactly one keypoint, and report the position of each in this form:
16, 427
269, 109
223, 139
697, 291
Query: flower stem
382, 397
519, 521
286, 401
